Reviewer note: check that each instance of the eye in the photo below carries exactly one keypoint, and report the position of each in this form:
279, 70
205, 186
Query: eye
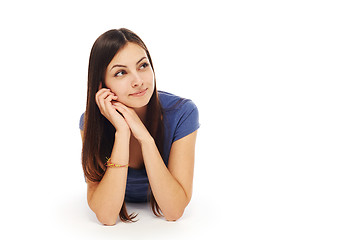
120, 73
144, 65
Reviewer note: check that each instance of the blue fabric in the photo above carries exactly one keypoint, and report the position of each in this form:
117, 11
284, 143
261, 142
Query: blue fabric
181, 117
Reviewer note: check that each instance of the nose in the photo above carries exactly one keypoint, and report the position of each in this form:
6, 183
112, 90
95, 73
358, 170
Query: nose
136, 81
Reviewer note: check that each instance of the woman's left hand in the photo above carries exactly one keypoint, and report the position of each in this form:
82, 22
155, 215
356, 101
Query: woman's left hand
137, 127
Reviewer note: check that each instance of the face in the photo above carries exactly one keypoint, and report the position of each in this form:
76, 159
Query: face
130, 76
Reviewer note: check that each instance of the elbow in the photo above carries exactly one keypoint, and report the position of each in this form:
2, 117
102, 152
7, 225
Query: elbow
107, 220
104, 216
173, 217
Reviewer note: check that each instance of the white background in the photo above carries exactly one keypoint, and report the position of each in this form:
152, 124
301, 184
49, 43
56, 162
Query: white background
277, 87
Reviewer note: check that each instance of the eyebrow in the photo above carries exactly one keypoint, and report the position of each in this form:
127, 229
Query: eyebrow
118, 65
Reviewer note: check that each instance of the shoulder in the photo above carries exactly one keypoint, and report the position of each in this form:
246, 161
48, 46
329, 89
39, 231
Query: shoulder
172, 102
181, 116
81, 122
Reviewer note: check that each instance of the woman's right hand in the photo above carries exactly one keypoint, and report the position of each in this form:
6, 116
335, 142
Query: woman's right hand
103, 99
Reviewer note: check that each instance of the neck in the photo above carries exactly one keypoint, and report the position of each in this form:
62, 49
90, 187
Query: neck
141, 112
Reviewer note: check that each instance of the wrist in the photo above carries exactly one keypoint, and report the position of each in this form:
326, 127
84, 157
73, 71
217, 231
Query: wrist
146, 140
123, 134
120, 151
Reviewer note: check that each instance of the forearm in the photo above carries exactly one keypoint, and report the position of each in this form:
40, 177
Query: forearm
107, 199
168, 192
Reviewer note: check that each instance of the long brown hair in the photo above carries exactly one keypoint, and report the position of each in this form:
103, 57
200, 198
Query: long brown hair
99, 133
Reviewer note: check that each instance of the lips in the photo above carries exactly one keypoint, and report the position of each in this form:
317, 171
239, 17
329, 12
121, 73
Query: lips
140, 93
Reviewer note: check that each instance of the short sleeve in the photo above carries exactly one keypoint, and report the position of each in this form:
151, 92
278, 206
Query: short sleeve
81, 122
188, 120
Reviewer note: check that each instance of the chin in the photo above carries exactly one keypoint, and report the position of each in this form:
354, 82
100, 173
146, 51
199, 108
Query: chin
138, 103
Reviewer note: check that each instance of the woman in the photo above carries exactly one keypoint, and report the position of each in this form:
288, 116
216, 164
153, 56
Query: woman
138, 143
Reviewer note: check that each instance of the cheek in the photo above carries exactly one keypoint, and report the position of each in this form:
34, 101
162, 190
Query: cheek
119, 92
150, 78
117, 88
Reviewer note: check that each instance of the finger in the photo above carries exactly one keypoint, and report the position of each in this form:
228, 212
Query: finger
129, 111
119, 104
103, 94
101, 99
107, 101
110, 97
120, 109
99, 93
131, 118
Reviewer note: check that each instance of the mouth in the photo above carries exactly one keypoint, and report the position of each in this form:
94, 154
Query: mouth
140, 93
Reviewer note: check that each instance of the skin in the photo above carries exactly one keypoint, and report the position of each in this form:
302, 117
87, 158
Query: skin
129, 72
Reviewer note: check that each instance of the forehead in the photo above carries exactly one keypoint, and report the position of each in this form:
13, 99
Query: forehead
128, 55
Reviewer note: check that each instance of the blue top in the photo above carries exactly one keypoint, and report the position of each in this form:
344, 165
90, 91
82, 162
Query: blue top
180, 117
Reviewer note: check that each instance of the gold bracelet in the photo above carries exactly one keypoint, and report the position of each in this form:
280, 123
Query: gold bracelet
112, 165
